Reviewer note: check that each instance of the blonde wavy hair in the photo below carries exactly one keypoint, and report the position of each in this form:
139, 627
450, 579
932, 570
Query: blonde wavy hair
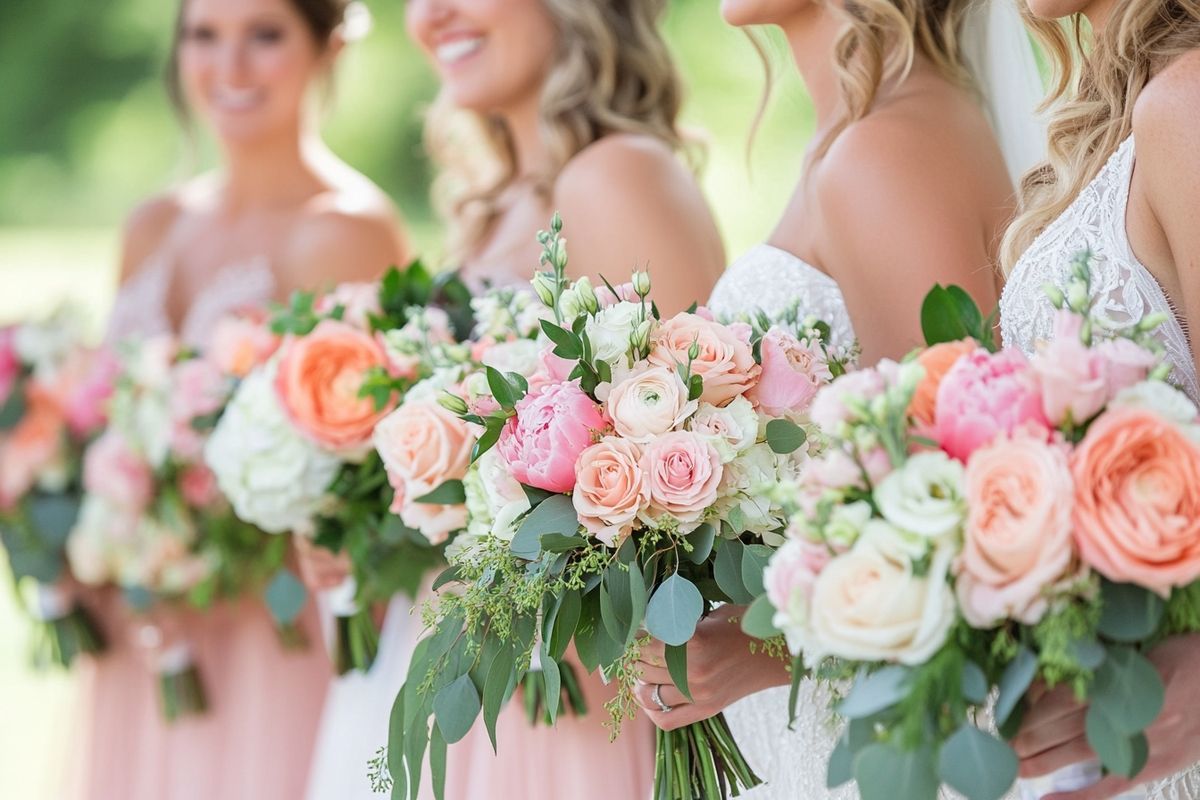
1097, 81
612, 73
879, 42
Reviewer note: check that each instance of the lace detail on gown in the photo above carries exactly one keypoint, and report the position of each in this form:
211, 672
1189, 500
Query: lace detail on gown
771, 280
140, 308
1127, 291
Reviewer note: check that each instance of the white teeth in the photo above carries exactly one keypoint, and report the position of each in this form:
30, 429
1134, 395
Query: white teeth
237, 99
457, 50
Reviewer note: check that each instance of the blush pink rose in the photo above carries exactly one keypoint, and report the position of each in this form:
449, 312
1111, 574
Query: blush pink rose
553, 425
792, 372
239, 343
318, 383
985, 394
1018, 535
358, 302
725, 361
198, 485
114, 471
610, 489
422, 446
683, 474
1137, 500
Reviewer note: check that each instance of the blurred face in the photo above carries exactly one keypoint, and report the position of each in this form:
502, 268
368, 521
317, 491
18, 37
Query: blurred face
246, 65
761, 12
1095, 10
491, 55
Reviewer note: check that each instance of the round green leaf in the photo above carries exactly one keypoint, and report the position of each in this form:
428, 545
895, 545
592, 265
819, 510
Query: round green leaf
977, 764
757, 621
285, 596
1129, 613
727, 570
450, 493
701, 541
1129, 690
784, 436
456, 706
885, 773
1114, 748
754, 563
874, 692
974, 683
555, 515
674, 610
1015, 681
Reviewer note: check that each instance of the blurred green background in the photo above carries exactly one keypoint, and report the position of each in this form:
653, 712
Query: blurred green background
86, 131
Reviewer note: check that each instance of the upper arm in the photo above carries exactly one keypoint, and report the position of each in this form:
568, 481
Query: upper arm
895, 221
627, 203
145, 229
335, 246
1165, 122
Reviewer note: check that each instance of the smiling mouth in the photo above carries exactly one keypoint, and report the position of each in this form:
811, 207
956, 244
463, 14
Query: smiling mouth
458, 50
228, 99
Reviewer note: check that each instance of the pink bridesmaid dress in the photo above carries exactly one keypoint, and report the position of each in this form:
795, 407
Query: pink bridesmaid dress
256, 739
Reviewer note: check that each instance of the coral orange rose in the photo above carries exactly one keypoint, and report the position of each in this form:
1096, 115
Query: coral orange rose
1137, 500
937, 361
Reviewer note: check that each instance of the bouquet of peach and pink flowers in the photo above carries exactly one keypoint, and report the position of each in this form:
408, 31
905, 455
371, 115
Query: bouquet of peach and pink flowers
981, 520
294, 452
153, 523
613, 495
53, 390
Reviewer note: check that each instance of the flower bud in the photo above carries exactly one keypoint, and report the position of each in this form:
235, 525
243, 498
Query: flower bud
1077, 296
453, 403
544, 285
1057, 298
641, 283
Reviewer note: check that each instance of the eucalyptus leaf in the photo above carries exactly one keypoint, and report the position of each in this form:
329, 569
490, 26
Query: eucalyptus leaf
455, 707
501, 676
727, 570
974, 683
754, 563
395, 751
53, 516
977, 764
1016, 680
556, 515
1129, 613
286, 597
553, 681
701, 541
785, 437
13, 409
677, 668
437, 762
616, 605
1129, 690
1113, 746
884, 772
875, 691
674, 610
757, 621
450, 493
449, 575
566, 621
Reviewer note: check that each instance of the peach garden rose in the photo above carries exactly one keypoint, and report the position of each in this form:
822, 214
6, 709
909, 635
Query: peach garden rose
610, 488
725, 361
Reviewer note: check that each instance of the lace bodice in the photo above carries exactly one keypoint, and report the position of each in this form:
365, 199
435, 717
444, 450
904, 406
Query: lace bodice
771, 280
141, 304
1126, 290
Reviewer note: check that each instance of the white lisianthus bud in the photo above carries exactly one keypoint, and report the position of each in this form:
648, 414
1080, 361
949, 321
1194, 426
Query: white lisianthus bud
560, 254
640, 338
1057, 298
694, 350
452, 403
1077, 296
544, 285
587, 295
641, 283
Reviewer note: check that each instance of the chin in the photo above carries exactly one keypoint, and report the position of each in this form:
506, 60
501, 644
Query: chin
740, 13
1056, 9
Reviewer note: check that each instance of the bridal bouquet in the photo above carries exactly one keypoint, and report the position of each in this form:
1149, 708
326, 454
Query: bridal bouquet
52, 402
613, 496
981, 520
294, 451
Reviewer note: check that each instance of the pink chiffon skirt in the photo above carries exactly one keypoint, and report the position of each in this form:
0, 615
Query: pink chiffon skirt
254, 742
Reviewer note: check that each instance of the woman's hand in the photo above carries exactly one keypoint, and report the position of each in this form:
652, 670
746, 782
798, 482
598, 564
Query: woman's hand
721, 671
319, 568
1052, 735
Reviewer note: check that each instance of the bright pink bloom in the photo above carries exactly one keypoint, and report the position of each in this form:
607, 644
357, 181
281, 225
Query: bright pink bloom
552, 427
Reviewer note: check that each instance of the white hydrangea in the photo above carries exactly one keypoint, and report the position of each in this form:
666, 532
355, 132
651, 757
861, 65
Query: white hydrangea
732, 429
273, 476
743, 495
520, 356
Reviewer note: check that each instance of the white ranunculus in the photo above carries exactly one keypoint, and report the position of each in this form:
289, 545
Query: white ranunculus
868, 605
505, 499
1163, 399
610, 330
648, 404
521, 356
272, 475
733, 429
925, 496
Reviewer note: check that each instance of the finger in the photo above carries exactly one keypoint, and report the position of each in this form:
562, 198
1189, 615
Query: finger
653, 675
1109, 787
1055, 704
1052, 760
654, 653
1049, 735
643, 693
677, 718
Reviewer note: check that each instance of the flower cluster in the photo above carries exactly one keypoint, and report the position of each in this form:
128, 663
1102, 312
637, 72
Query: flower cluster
1009, 498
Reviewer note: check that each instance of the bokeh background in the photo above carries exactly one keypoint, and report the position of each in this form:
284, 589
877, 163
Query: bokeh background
86, 131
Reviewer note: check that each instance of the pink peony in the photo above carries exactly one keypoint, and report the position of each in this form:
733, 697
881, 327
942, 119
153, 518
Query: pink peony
792, 372
1137, 500
985, 394
1018, 534
552, 427
625, 293
114, 471
610, 489
725, 361
684, 473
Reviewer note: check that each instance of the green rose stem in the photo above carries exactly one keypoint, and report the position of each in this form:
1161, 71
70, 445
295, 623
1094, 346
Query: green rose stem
701, 762
355, 642
181, 692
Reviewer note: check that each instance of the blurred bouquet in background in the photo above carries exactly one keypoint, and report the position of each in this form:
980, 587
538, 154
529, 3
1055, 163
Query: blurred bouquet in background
53, 394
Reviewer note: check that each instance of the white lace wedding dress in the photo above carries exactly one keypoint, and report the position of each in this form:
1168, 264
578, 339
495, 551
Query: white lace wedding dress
1127, 291
790, 762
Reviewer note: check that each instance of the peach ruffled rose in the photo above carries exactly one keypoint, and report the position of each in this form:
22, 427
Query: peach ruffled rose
33, 446
1137, 500
937, 361
610, 488
1018, 534
422, 446
725, 361
318, 383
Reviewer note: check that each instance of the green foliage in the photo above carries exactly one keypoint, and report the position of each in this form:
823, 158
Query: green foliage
948, 314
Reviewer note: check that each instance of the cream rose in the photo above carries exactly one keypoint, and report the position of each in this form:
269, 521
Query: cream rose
868, 605
610, 330
649, 403
732, 429
610, 488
